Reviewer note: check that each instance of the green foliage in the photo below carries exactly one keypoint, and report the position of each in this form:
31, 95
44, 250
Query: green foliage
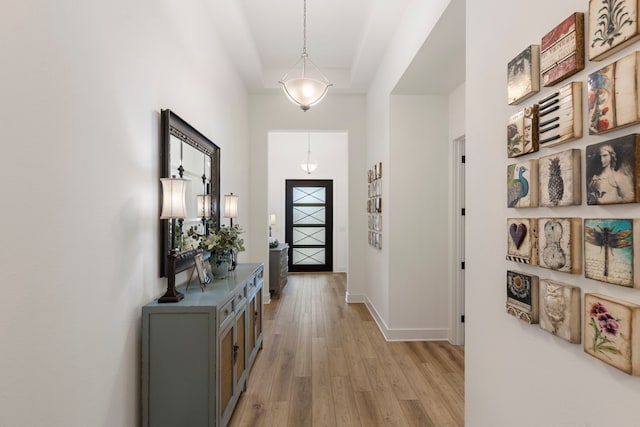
223, 240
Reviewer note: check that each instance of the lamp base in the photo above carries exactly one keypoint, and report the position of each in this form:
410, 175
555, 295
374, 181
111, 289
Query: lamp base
172, 295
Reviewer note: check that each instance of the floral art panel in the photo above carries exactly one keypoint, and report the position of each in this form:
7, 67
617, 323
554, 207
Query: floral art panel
613, 24
522, 296
611, 329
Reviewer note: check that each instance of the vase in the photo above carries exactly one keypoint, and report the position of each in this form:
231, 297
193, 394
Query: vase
220, 264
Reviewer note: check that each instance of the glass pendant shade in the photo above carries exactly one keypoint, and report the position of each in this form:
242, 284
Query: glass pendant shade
173, 198
204, 205
309, 166
305, 91
230, 206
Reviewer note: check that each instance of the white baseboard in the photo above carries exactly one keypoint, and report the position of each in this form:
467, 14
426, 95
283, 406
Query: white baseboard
408, 334
355, 298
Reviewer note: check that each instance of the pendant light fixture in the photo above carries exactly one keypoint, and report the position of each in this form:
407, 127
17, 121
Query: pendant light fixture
309, 165
305, 91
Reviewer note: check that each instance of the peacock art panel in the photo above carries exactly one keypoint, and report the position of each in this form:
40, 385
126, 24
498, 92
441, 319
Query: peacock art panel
522, 184
560, 244
560, 179
611, 332
523, 133
609, 254
522, 240
613, 24
560, 310
522, 296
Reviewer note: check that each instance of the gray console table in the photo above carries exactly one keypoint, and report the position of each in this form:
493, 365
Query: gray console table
197, 353
278, 268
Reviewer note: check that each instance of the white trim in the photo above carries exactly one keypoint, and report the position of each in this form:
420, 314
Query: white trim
355, 298
409, 334
457, 254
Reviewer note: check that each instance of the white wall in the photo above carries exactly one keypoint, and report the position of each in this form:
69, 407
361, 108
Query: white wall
275, 113
517, 374
331, 150
82, 85
419, 19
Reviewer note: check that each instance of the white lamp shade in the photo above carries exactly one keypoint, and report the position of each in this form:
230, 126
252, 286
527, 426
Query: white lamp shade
204, 205
230, 206
173, 198
272, 219
305, 91
309, 166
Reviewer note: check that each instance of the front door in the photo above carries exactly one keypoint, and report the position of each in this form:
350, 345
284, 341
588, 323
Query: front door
309, 224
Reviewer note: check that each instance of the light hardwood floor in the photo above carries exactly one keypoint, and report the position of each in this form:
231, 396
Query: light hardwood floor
325, 363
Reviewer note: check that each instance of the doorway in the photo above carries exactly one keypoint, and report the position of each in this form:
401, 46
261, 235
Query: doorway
309, 224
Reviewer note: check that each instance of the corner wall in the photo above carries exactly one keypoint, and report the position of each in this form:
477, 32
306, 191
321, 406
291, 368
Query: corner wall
518, 374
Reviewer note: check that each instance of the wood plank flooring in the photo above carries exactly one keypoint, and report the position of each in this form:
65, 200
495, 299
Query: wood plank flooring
325, 363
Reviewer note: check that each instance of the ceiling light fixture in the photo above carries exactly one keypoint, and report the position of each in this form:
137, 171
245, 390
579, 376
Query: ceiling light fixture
305, 91
309, 165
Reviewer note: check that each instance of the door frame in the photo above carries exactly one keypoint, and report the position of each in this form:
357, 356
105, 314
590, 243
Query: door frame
457, 285
328, 184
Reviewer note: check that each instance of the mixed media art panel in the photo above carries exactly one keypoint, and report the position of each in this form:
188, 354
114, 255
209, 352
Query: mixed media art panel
522, 184
609, 254
613, 95
522, 240
560, 310
560, 115
560, 244
611, 329
523, 133
523, 75
613, 24
559, 176
612, 168
522, 296
562, 50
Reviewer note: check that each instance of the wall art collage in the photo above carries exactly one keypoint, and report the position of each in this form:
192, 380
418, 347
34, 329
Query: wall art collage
374, 205
597, 244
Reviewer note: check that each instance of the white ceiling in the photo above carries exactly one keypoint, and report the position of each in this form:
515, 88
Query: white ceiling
346, 39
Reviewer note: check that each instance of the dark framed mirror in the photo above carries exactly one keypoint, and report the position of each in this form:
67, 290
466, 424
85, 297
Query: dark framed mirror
188, 154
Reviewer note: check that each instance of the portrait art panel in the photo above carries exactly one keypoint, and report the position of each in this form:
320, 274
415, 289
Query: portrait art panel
560, 244
522, 184
522, 240
523, 75
523, 133
611, 171
611, 329
613, 24
613, 95
562, 50
560, 115
522, 296
560, 310
609, 252
559, 176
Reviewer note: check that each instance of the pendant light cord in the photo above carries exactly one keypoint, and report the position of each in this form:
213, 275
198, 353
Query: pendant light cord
304, 29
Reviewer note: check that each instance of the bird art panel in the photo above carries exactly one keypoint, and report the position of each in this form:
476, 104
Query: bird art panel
609, 254
560, 179
560, 115
611, 332
523, 75
522, 296
613, 24
522, 184
560, 310
562, 50
522, 240
523, 133
612, 171
560, 244
613, 95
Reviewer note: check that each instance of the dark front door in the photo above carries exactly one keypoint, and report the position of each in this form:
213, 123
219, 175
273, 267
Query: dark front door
309, 224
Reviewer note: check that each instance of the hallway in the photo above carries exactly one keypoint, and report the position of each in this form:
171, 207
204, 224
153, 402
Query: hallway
325, 363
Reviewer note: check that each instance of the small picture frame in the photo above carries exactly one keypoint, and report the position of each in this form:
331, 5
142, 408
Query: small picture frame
203, 275
522, 296
523, 75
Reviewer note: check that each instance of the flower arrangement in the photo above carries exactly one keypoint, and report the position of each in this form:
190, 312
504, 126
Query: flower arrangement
223, 240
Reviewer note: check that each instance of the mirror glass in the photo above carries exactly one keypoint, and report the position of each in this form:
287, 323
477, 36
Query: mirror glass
189, 154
